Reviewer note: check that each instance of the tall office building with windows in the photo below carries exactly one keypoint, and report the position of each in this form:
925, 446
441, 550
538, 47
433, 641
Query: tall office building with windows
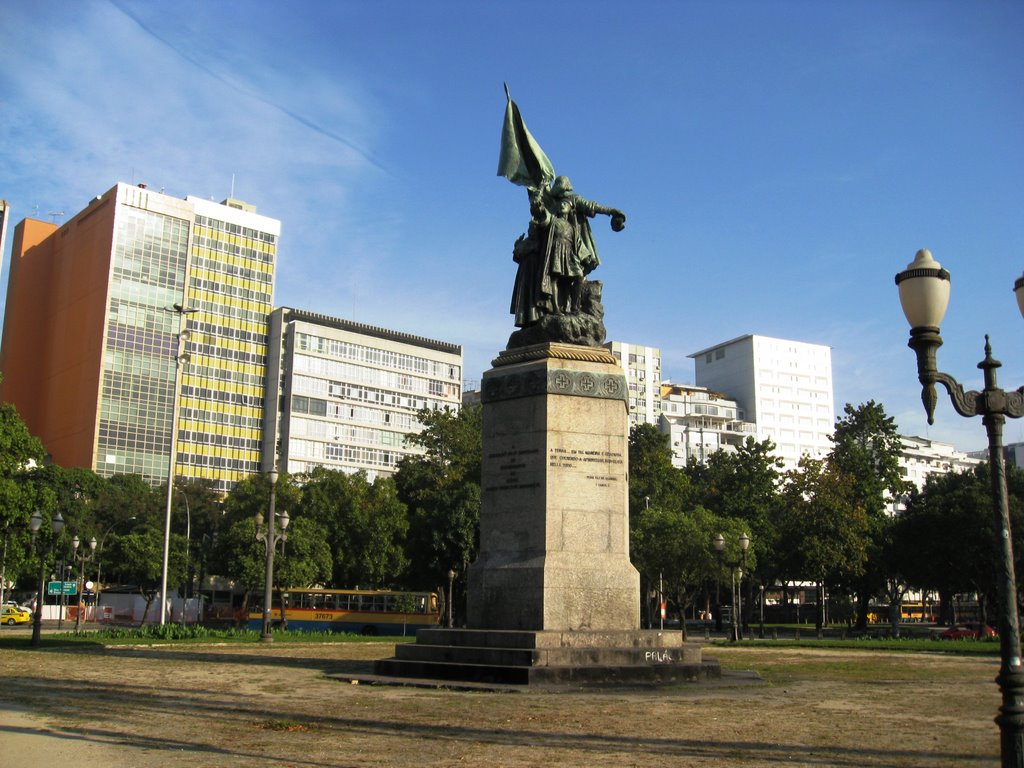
642, 366
783, 386
349, 393
89, 343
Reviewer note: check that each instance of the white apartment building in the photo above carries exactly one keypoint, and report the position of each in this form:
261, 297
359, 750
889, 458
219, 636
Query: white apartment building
699, 422
349, 393
783, 386
921, 457
642, 366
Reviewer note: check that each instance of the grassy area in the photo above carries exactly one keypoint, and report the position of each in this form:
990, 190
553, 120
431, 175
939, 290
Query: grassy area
184, 635
910, 645
247, 705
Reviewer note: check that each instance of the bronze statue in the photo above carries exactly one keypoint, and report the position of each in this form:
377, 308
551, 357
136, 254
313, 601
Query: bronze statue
552, 300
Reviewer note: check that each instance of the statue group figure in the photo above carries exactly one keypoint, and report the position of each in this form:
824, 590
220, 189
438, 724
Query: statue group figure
552, 300
556, 253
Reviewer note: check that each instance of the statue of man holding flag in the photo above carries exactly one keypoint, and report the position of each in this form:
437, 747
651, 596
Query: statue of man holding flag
552, 300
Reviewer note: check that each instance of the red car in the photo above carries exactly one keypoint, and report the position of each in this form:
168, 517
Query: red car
967, 632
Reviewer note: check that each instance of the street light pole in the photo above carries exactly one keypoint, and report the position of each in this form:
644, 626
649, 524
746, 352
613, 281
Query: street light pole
720, 552
451, 584
81, 573
734, 588
924, 295
181, 358
270, 536
56, 527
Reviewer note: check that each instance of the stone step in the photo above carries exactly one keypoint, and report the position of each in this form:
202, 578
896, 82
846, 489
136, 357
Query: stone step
629, 674
546, 657
440, 670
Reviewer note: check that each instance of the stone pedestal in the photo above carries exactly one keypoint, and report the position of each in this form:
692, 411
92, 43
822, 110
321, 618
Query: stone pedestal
552, 596
554, 518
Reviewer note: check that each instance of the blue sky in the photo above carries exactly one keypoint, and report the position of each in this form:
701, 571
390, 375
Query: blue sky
779, 162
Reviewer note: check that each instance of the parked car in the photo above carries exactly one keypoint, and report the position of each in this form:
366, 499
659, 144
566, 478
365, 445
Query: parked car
15, 614
967, 632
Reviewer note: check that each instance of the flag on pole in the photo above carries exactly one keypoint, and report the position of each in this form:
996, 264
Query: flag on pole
522, 161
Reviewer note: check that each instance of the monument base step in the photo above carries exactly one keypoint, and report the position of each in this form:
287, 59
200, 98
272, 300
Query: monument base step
510, 657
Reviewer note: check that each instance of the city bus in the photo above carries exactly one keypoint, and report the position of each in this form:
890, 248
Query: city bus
360, 611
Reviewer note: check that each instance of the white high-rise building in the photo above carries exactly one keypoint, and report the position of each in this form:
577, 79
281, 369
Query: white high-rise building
642, 366
783, 386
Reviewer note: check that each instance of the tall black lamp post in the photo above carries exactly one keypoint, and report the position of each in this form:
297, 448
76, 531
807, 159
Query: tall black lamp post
43, 548
720, 551
81, 558
924, 293
269, 534
741, 564
451, 584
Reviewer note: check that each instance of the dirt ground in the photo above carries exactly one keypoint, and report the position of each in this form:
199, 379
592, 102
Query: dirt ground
229, 705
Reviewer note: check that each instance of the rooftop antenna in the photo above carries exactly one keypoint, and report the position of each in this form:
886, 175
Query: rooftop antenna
232, 186
54, 214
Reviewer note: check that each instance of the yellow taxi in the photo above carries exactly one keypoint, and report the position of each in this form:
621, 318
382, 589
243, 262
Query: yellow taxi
15, 614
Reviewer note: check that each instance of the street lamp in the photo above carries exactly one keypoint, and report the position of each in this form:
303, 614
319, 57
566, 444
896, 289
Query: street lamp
181, 358
270, 536
81, 558
720, 551
924, 294
42, 549
451, 583
735, 587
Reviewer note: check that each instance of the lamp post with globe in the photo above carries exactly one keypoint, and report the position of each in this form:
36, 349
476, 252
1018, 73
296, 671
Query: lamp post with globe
924, 288
81, 558
43, 547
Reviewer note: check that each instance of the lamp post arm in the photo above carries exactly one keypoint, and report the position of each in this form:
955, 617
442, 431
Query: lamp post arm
992, 400
969, 403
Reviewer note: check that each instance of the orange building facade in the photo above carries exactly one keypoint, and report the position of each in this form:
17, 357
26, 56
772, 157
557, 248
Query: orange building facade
88, 354
53, 331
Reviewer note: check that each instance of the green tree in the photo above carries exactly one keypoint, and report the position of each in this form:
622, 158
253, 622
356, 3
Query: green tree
441, 490
867, 448
822, 528
20, 451
675, 548
366, 525
744, 485
123, 504
304, 561
197, 511
137, 558
237, 555
946, 538
653, 481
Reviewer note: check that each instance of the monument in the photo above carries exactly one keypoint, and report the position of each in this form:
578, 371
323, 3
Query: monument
552, 595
